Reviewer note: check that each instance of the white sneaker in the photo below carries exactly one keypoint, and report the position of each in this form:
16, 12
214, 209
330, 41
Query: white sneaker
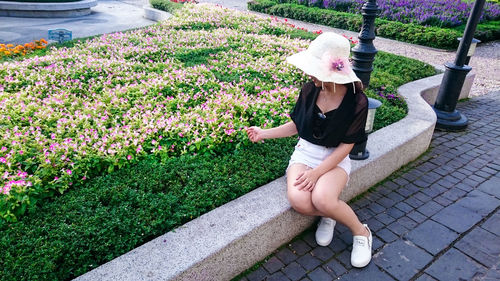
324, 233
361, 249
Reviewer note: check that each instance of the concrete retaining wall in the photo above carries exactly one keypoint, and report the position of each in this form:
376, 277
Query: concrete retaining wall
226, 241
153, 14
46, 10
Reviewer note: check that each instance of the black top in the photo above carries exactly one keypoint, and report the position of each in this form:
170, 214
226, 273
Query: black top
345, 124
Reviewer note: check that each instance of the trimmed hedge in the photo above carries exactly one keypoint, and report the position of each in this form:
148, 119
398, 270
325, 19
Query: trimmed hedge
115, 213
485, 32
165, 5
443, 38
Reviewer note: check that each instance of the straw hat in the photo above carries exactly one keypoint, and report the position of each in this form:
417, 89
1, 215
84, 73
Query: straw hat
327, 59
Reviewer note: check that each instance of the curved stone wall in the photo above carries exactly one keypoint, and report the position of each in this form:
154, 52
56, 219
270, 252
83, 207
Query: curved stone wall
46, 10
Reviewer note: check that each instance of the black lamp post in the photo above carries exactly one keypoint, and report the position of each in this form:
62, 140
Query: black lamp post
363, 55
472, 48
448, 118
364, 52
359, 151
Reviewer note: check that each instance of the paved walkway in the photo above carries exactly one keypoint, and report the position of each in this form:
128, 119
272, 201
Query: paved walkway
437, 219
107, 17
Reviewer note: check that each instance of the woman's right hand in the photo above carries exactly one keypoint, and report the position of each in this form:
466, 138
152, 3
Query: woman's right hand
255, 134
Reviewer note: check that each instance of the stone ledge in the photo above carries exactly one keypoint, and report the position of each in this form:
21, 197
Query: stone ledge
226, 241
46, 10
153, 14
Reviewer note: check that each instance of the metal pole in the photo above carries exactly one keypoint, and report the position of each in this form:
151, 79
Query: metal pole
448, 118
364, 52
363, 55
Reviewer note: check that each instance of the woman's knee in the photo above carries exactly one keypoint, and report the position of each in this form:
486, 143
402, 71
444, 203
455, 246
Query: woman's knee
324, 204
301, 204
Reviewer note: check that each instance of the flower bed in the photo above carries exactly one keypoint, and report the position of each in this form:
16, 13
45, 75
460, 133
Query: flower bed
8, 51
187, 86
441, 13
432, 36
167, 90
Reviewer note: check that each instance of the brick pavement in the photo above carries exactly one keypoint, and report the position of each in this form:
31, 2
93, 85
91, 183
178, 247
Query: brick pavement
436, 219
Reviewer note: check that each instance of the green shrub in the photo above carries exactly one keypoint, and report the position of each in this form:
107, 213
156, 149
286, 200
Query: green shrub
389, 72
485, 32
115, 213
165, 5
443, 38
260, 6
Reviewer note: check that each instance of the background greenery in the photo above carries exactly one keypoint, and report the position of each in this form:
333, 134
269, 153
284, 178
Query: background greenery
443, 38
111, 214
165, 5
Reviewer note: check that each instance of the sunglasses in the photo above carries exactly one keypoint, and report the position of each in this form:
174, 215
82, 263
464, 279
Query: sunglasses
317, 125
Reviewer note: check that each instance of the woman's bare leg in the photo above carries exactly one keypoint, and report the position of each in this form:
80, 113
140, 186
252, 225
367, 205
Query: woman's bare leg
299, 199
325, 199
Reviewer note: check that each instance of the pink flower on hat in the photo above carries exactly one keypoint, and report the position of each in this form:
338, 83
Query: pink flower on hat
339, 65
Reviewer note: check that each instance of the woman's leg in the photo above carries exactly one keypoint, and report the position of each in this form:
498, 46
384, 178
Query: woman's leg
325, 199
300, 200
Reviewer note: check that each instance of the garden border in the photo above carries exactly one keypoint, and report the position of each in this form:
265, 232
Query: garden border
47, 10
230, 239
153, 14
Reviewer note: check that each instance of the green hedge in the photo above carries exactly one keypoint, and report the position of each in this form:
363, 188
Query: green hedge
165, 5
488, 31
436, 37
115, 213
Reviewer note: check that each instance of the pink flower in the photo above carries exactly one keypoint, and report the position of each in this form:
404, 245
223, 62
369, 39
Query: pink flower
129, 157
68, 172
336, 64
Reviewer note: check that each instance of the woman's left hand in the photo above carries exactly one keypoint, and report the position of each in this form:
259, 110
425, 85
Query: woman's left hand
307, 180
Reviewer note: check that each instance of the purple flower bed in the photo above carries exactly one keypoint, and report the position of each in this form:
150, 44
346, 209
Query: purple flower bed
442, 13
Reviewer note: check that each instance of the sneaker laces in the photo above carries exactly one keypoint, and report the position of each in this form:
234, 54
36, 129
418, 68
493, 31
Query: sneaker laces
360, 241
326, 221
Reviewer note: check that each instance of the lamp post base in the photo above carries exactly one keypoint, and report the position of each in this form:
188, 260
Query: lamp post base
450, 121
359, 152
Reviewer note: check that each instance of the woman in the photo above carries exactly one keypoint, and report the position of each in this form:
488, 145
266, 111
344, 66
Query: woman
329, 116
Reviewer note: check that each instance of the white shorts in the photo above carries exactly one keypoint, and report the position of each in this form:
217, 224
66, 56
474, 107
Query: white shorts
312, 155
